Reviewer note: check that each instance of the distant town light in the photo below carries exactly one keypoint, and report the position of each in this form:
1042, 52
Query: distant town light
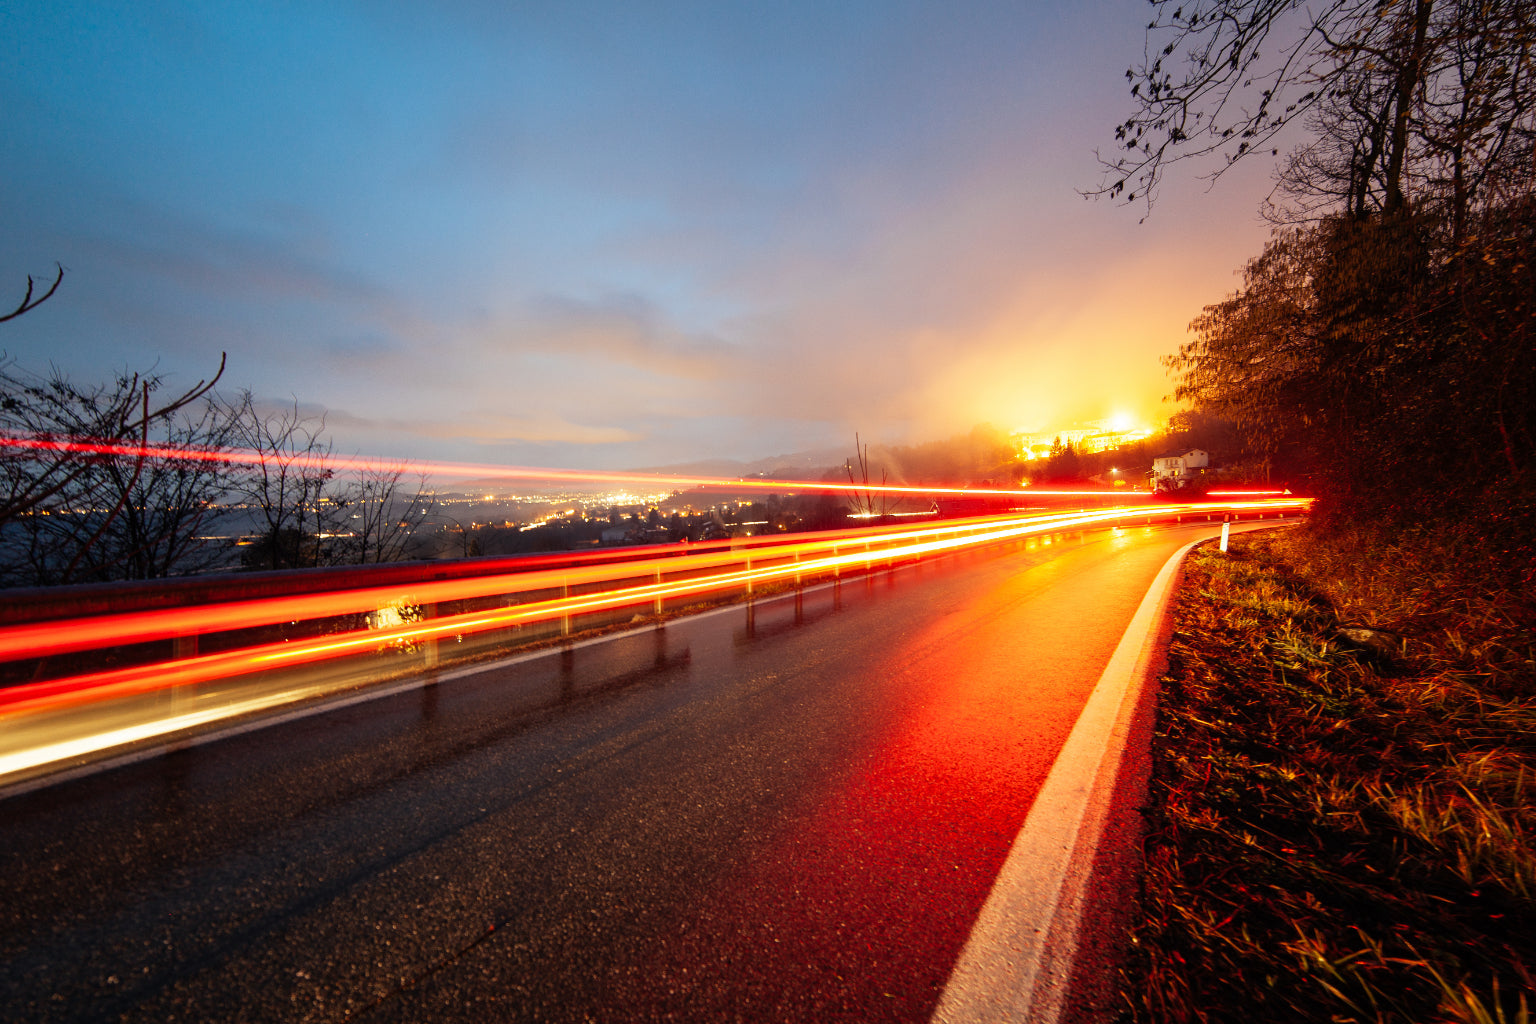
1085, 438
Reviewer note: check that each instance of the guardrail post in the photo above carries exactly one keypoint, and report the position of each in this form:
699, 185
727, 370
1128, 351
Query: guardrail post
565, 620
429, 646
799, 593
181, 647
657, 605
837, 582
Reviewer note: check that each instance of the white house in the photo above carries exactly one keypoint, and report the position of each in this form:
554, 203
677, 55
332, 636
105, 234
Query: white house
1177, 470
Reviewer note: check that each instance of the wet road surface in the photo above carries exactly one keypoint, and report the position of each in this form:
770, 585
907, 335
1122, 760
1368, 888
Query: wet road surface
792, 817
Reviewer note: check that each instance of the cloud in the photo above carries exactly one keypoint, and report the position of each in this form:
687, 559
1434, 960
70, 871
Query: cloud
481, 428
504, 429
625, 327
608, 232
547, 369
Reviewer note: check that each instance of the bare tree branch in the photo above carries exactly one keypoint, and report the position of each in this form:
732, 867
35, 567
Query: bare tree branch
28, 303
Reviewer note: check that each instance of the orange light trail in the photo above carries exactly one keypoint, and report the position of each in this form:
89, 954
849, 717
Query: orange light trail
1245, 494
59, 721
725, 569
35, 640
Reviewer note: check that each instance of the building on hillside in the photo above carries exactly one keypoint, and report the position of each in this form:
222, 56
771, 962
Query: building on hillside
1179, 471
1089, 439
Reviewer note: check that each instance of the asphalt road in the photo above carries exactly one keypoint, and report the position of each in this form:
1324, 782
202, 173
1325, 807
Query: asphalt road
792, 817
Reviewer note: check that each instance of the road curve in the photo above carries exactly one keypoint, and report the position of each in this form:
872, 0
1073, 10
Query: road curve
795, 815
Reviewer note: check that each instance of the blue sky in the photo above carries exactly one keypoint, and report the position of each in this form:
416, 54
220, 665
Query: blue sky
602, 235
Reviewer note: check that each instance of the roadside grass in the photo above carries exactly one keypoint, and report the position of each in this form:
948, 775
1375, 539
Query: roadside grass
1343, 800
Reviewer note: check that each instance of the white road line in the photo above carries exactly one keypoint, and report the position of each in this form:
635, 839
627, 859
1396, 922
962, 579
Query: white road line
1008, 971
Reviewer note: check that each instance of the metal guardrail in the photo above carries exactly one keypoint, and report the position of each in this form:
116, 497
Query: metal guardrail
175, 656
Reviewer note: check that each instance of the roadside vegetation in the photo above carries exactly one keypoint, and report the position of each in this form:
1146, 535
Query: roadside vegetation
1344, 790
1341, 816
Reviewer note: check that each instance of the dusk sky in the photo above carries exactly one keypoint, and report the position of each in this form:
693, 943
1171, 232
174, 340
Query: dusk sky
603, 235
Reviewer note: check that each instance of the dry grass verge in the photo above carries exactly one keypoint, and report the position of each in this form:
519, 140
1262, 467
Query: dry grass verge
1342, 807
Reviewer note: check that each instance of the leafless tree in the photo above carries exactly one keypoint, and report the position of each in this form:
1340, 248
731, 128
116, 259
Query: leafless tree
863, 502
284, 485
28, 303
80, 465
382, 519
176, 499
1401, 99
310, 513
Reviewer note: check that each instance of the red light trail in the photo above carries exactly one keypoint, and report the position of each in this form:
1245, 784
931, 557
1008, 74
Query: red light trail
672, 573
819, 555
530, 473
61, 637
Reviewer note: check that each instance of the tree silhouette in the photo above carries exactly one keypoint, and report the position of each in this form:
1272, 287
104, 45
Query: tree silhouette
1400, 99
92, 485
28, 303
